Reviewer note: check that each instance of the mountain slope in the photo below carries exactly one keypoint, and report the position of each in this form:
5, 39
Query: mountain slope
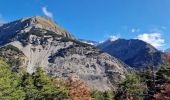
59, 53
135, 53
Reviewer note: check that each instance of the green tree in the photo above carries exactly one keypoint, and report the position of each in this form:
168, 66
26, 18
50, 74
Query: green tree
45, 86
162, 78
28, 87
163, 74
97, 95
150, 80
131, 88
108, 95
10, 88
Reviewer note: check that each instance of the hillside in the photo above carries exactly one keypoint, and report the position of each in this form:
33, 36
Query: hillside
135, 53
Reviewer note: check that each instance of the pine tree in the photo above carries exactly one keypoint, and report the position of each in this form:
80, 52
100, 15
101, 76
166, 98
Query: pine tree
9, 84
131, 88
43, 84
149, 75
28, 87
46, 87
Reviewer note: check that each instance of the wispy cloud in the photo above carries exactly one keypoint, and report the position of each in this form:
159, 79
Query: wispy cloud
47, 13
133, 30
154, 39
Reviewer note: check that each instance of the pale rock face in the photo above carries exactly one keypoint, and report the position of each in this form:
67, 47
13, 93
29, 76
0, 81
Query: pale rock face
64, 56
63, 59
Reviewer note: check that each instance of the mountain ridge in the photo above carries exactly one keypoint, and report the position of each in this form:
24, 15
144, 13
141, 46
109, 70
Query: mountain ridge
134, 52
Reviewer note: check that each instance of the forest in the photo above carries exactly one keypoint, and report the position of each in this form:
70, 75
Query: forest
146, 84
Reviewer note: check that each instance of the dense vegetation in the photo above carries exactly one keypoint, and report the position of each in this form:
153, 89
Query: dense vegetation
147, 84
39, 86
140, 85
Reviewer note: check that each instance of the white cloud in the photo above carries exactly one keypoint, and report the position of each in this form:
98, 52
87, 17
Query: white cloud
113, 38
154, 39
47, 13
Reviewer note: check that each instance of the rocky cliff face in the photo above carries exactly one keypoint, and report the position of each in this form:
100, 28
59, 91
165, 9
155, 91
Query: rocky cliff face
135, 53
42, 43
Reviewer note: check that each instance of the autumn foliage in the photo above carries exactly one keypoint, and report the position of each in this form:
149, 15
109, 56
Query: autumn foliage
164, 94
78, 90
167, 57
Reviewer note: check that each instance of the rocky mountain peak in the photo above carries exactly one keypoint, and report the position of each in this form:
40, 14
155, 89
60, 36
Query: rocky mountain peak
45, 23
11, 30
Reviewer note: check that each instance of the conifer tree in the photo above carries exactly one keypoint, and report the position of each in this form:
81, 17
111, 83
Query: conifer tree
28, 87
43, 84
9, 84
130, 89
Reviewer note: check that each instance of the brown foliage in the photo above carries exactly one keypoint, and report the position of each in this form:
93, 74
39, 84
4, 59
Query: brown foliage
78, 90
167, 57
164, 94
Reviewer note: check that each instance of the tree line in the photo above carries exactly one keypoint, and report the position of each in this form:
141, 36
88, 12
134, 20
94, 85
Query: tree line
146, 84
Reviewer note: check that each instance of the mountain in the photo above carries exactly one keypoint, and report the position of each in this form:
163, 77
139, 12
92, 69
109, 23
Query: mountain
134, 52
36, 41
167, 51
10, 30
89, 42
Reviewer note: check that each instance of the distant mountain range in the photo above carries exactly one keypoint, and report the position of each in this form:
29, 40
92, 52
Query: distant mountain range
134, 52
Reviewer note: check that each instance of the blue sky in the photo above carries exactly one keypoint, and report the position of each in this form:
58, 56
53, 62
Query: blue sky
148, 20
